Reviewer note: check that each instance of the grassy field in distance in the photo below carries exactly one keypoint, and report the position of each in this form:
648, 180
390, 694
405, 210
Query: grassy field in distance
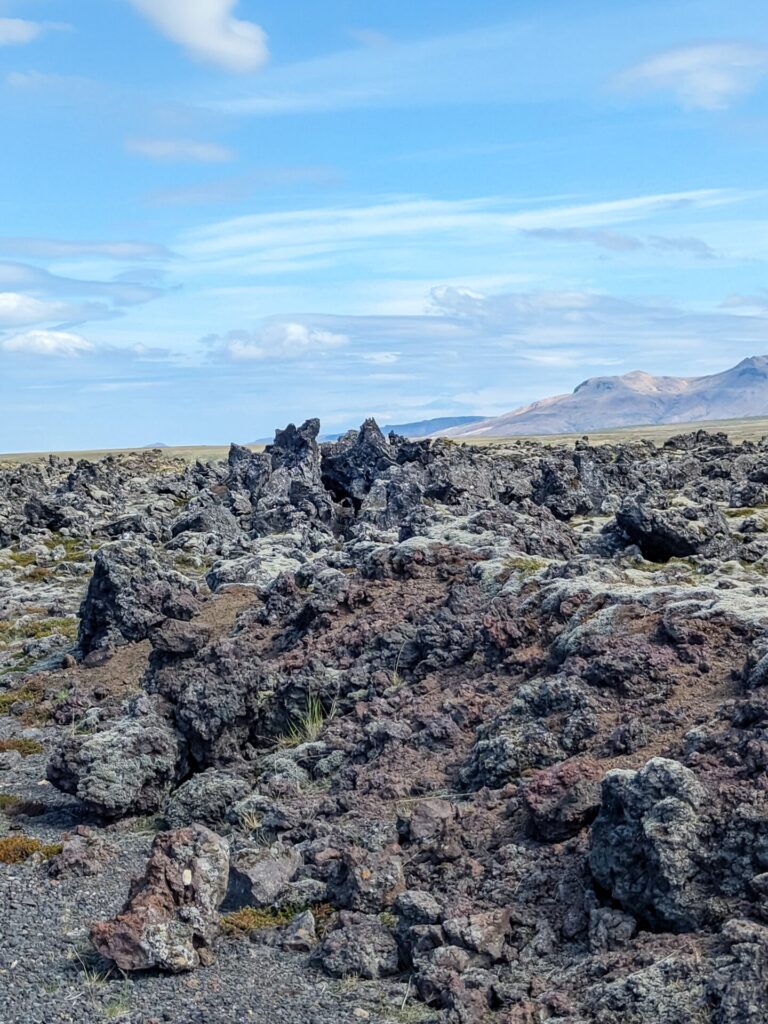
190, 453
738, 430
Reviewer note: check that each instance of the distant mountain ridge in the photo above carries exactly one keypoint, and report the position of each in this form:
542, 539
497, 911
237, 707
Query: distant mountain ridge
635, 399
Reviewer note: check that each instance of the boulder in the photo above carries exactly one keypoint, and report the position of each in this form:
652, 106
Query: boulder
564, 799
260, 877
130, 593
664, 533
171, 917
128, 768
648, 842
207, 798
84, 853
359, 945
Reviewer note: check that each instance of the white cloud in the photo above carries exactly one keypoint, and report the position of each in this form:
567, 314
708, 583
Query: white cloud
382, 358
15, 31
18, 310
209, 32
279, 341
47, 343
709, 77
181, 150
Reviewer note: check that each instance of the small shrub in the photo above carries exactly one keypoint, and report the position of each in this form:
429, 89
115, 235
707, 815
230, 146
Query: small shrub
39, 572
37, 629
526, 565
324, 915
29, 808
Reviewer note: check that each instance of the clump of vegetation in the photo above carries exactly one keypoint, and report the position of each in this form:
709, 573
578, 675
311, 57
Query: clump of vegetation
22, 558
258, 919
308, 726
73, 548
526, 565
17, 668
39, 572
25, 747
324, 915
37, 629
17, 849
11, 697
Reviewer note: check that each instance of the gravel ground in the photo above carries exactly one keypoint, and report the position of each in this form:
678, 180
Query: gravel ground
49, 973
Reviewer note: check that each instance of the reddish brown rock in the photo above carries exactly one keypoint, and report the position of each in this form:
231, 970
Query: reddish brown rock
564, 799
171, 917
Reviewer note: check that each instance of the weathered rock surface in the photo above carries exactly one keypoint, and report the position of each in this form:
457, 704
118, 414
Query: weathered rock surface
129, 768
648, 842
171, 917
129, 594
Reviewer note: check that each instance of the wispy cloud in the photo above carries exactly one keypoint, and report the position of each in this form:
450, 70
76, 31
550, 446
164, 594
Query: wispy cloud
612, 240
297, 236
279, 341
708, 77
617, 242
19, 310
18, 31
382, 358
209, 32
501, 63
695, 246
55, 248
37, 281
47, 343
180, 151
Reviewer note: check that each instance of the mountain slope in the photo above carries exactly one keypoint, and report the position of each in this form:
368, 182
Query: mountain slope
637, 398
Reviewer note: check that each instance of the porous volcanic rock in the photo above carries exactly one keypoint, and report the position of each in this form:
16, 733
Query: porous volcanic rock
171, 917
131, 592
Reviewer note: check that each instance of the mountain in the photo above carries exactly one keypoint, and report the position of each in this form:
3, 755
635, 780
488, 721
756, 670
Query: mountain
423, 428
636, 399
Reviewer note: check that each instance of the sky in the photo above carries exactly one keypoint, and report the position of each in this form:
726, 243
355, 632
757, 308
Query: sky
217, 217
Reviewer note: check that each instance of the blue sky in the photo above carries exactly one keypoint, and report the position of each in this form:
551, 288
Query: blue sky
218, 216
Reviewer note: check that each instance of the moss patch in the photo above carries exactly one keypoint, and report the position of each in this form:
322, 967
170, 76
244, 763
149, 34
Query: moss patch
25, 747
22, 558
11, 697
17, 849
258, 919
37, 629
